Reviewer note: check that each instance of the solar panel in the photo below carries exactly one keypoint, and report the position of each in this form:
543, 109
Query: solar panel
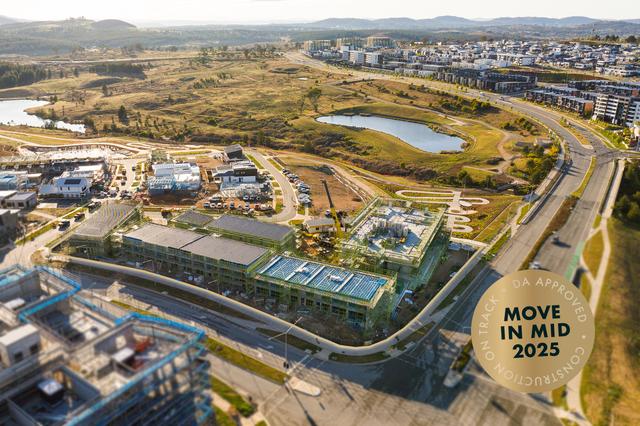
72, 181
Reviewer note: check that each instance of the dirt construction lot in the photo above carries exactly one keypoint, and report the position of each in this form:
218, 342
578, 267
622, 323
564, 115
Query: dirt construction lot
312, 174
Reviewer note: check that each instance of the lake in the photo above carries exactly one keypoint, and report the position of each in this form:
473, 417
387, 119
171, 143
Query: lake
415, 134
13, 113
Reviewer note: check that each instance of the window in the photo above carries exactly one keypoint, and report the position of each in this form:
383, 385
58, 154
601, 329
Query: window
17, 357
34, 348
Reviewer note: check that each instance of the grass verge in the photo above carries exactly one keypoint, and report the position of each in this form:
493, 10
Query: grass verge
33, 235
291, 340
495, 248
254, 161
413, 337
223, 419
232, 397
559, 397
557, 222
358, 359
610, 388
593, 252
578, 192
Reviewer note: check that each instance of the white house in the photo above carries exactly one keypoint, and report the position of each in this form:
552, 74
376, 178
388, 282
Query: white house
240, 172
67, 187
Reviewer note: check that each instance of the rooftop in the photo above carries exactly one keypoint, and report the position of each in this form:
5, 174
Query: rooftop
211, 247
227, 250
22, 196
319, 221
232, 148
163, 235
108, 217
241, 225
191, 217
324, 277
6, 194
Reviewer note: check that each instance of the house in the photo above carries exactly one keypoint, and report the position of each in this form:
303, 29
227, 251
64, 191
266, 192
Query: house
319, 225
21, 200
233, 153
6, 194
67, 187
239, 172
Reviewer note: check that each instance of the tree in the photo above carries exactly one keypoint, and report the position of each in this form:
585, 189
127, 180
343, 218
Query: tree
76, 72
309, 147
631, 39
465, 178
105, 90
123, 117
633, 215
314, 96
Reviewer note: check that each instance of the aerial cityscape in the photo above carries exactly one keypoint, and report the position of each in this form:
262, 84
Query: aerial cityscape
265, 214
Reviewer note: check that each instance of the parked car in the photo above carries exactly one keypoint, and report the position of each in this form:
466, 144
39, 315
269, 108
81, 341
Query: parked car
64, 224
206, 205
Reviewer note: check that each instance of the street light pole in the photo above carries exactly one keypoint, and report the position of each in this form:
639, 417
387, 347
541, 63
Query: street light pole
286, 333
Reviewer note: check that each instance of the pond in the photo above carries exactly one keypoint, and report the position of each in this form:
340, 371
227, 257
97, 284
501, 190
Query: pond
13, 113
415, 134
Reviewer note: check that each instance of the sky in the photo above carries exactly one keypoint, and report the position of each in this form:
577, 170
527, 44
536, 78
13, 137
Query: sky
267, 11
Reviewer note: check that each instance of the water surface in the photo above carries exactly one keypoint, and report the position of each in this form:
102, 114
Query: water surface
415, 134
13, 113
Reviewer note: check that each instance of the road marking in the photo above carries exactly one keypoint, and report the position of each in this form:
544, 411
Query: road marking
575, 261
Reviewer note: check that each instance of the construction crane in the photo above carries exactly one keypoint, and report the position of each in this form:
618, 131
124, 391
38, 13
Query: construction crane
332, 208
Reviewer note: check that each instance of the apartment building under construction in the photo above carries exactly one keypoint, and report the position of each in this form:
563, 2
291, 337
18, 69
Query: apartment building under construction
66, 359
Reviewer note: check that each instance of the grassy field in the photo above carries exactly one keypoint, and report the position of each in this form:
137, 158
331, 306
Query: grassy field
491, 218
251, 101
610, 386
593, 252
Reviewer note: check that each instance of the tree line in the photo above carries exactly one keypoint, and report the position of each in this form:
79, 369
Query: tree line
12, 75
627, 206
119, 69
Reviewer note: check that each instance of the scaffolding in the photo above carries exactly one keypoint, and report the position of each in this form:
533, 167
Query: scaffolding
394, 235
127, 369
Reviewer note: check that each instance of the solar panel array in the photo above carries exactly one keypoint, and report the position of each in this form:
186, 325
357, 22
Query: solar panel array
324, 277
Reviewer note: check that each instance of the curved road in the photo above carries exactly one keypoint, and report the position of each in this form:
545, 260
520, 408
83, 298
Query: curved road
289, 200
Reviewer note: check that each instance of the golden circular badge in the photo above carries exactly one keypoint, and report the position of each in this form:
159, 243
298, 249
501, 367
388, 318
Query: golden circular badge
532, 331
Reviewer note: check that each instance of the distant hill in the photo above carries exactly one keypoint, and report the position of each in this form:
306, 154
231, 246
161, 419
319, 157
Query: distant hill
452, 22
112, 25
6, 20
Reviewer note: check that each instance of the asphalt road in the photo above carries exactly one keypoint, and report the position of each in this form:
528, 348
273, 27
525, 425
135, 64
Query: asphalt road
417, 375
408, 390
290, 202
